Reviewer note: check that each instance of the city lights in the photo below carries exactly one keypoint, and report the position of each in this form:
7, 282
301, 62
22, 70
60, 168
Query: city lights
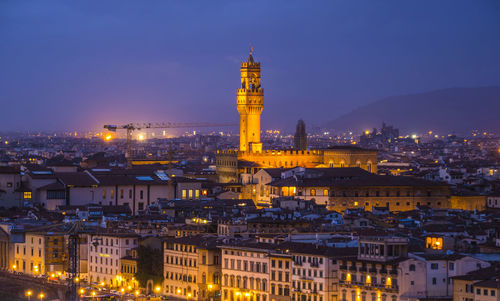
28, 294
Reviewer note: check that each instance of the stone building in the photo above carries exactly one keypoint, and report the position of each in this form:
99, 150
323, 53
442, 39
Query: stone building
300, 138
345, 188
192, 268
250, 158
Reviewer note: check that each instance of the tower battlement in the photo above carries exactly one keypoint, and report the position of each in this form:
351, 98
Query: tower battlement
248, 91
250, 65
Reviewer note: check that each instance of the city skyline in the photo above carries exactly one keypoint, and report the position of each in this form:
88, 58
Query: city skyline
75, 66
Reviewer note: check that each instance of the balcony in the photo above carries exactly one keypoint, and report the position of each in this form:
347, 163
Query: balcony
373, 270
382, 287
353, 268
343, 267
297, 263
383, 271
393, 272
315, 264
363, 269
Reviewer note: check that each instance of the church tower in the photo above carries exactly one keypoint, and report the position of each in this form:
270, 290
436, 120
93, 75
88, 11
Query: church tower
250, 102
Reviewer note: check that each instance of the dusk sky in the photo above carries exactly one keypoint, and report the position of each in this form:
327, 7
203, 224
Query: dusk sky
71, 65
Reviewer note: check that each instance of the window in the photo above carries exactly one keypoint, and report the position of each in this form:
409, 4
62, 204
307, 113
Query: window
434, 266
313, 192
452, 266
141, 194
27, 194
141, 205
492, 293
434, 280
412, 267
121, 193
112, 194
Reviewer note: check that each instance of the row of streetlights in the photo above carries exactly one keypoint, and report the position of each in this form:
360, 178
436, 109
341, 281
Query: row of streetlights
29, 293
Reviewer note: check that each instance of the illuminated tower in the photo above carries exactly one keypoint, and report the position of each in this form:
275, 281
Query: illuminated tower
250, 102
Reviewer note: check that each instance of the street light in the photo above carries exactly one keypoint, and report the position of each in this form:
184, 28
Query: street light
82, 291
157, 289
93, 295
41, 296
29, 293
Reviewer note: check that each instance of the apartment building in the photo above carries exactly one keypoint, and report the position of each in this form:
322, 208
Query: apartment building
40, 252
192, 268
478, 285
245, 272
105, 251
384, 270
281, 277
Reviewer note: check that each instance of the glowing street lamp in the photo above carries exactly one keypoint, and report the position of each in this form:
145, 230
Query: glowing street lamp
14, 267
41, 296
157, 289
93, 295
82, 291
137, 292
29, 293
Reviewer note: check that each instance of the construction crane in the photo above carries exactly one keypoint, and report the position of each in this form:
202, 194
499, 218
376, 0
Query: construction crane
130, 127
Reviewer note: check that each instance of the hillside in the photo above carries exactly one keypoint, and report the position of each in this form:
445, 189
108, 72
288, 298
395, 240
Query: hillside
458, 110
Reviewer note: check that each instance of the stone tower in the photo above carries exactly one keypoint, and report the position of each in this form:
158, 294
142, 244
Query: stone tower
250, 102
300, 138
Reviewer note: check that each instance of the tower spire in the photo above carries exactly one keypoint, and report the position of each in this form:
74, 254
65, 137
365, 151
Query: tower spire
250, 56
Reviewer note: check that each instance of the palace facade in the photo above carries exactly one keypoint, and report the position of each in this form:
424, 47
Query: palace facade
250, 157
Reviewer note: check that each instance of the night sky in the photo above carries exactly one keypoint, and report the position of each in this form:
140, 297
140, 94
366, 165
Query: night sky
80, 64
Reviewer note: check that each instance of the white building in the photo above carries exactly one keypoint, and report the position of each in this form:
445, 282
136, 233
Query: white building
104, 253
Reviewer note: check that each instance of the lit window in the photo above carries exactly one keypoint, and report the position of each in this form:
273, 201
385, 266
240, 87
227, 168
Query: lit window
27, 194
313, 192
184, 193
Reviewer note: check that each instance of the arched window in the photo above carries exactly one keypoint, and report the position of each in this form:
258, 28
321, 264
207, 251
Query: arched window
313, 192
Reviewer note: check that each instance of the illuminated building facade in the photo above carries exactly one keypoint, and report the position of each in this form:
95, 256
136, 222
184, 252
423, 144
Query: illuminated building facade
105, 252
344, 188
251, 157
192, 268
40, 253
250, 102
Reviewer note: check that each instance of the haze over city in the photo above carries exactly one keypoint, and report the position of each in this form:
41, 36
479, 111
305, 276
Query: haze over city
250, 150
78, 65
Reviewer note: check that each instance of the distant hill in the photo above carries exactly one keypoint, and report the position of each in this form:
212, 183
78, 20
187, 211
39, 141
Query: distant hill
458, 110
